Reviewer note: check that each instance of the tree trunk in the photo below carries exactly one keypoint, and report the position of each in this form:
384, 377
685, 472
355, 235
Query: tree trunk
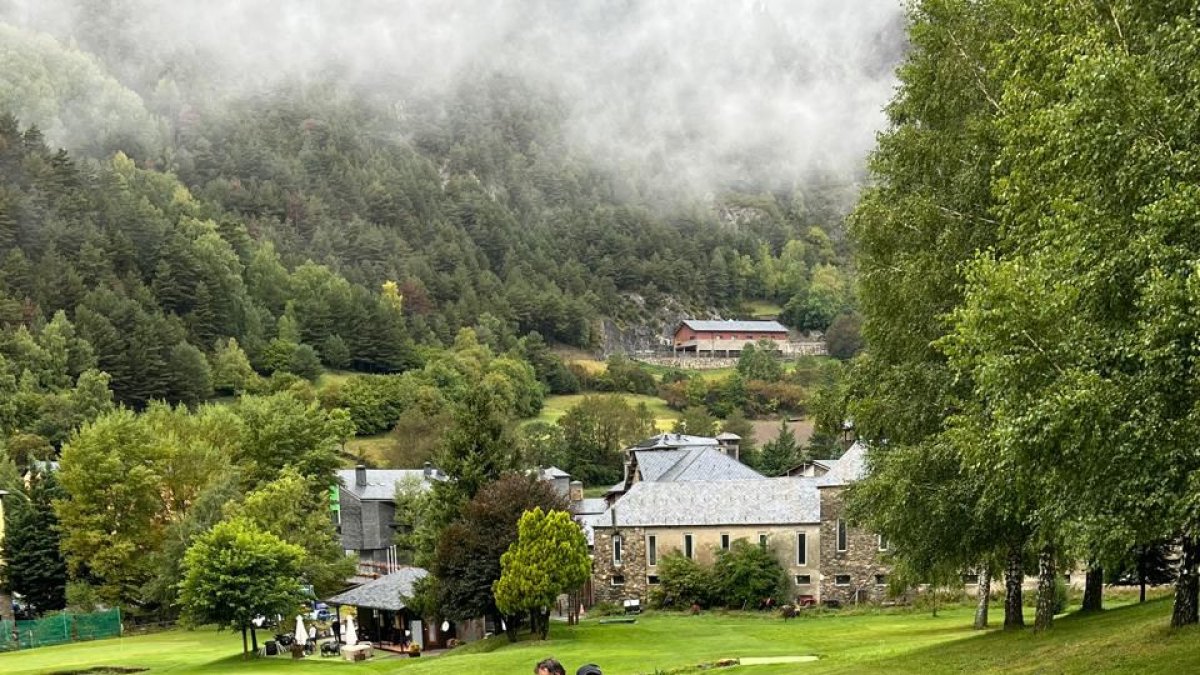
511, 623
1044, 617
253, 639
1186, 586
983, 596
1014, 576
244, 651
1141, 567
1093, 590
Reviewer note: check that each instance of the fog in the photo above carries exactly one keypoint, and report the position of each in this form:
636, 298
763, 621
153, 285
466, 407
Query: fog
713, 91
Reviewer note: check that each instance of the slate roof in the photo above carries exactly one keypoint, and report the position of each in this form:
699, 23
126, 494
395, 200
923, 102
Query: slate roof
689, 464
554, 472
850, 468
381, 483
674, 441
383, 593
741, 326
765, 501
589, 506
588, 523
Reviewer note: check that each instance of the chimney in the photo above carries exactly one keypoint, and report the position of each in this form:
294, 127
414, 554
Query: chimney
360, 475
428, 470
576, 491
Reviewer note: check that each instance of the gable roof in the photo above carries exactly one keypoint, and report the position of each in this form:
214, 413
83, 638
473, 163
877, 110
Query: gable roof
690, 464
383, 593
673, 441
850, 468
746, 326
765, 501
381, 483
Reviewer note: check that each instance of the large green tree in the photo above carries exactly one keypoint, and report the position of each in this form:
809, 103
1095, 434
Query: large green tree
235, 572
33, 563
549, 557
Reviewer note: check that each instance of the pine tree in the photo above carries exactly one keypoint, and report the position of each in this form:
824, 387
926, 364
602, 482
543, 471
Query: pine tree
34, 565
781, 454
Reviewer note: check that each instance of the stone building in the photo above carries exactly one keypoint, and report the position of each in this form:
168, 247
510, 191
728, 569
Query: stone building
699, 518
852, 562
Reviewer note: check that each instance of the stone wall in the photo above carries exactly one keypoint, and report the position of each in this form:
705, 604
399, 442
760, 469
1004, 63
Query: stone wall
706, 541
860, 561
632, 568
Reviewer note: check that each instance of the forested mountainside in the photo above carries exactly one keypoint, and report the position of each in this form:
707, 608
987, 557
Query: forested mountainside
319, 222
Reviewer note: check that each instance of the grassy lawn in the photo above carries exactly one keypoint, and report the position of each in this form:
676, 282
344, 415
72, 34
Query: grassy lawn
763, 309
557, 406
372, 447
1133, 638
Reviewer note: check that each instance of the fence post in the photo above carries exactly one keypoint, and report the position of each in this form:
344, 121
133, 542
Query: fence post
67, 626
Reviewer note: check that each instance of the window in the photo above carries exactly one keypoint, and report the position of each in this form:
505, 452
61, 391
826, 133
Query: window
762, 539
687, 546
652, 580
803, 579
883, 543
841, 535
617, 546
801, 548
618, 580
724, 541
841, 579
652, 550
881, 580
972, 579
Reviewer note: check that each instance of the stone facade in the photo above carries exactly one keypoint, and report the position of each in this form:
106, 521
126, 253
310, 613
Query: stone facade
626, 581
856, 574
635, 570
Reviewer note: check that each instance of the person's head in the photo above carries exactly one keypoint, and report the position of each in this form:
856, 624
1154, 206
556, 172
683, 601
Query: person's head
549, 667
589, 669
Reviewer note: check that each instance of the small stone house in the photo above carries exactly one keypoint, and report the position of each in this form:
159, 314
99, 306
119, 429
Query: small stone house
852, 562
699, 518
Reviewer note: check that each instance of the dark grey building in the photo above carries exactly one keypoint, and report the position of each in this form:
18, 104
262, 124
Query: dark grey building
366, 512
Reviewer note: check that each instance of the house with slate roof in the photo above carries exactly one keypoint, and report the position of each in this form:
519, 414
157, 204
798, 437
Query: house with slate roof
698, 518
725, 338
692, 495
363, 503
853, 560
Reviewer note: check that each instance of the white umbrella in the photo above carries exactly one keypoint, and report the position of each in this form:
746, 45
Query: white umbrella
351, 636
301, 631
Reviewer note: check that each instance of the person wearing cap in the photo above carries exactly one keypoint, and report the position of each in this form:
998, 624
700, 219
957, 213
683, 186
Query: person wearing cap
589, 669
549, 667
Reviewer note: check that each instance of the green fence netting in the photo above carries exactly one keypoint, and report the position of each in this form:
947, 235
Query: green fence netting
60, 628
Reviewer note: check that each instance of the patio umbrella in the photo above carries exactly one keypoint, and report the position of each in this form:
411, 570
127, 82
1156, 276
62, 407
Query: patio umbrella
301, 631
351, 635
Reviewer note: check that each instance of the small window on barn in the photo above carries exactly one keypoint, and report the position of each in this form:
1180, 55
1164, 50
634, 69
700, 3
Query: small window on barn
881, 580
841, 579
617, 546
762, 539
652, 550
803, 579
724, 541
841, 535
618, 580
652, 580
687, 546
883, 543
801, 549
971, 579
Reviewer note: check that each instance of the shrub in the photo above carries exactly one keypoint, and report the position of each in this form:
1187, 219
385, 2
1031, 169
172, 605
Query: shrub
747, 573
682, 582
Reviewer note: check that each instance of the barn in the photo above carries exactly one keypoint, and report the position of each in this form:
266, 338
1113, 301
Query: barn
725, 338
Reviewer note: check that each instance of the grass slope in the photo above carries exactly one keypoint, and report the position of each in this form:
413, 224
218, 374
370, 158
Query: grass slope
557, 406
1133, 638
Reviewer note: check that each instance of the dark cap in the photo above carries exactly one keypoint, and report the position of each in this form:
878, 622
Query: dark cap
589, 669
